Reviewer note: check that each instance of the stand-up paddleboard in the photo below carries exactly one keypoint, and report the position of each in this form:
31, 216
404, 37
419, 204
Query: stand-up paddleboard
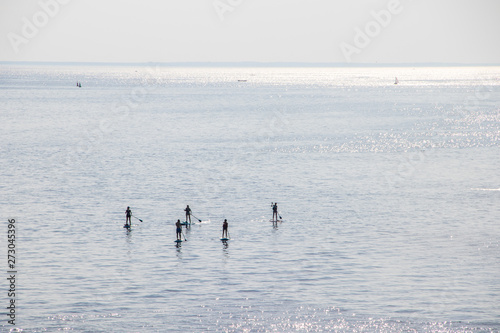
186, 223
128, 227
224, 239
178, 241
275, 221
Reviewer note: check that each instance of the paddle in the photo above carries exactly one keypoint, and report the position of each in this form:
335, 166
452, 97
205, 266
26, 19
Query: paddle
184, 236
196, 218
137, 218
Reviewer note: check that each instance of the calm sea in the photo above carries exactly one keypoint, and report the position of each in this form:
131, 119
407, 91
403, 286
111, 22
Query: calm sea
389, 195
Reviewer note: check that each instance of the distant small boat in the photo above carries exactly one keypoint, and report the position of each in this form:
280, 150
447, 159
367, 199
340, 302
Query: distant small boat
396, 81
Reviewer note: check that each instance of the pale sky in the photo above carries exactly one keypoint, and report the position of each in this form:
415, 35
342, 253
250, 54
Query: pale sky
313, 31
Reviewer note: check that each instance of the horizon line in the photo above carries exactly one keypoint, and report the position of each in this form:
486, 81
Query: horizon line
251, 64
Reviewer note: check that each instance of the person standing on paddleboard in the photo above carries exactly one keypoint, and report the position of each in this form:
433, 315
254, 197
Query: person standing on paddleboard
224, 229
178, 230
128, 219
188, 214
275, 211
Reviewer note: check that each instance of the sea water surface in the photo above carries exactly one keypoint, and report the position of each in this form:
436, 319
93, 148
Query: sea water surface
389, 195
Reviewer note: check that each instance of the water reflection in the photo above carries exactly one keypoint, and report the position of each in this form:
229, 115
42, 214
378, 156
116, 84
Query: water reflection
178, 250
129, 235
225, 251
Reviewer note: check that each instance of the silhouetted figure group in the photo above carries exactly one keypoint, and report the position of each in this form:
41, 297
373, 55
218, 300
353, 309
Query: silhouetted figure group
188, 211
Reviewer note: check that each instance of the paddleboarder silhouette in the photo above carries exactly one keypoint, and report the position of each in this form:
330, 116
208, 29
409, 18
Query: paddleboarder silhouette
188, 214
178, 230
128, 219
275, 211
224, 229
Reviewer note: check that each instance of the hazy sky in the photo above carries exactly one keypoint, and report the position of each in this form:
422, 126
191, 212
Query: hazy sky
334, 31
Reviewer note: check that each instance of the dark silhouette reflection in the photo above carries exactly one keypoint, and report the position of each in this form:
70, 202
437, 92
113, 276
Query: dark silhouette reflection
225, 251
178, 251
